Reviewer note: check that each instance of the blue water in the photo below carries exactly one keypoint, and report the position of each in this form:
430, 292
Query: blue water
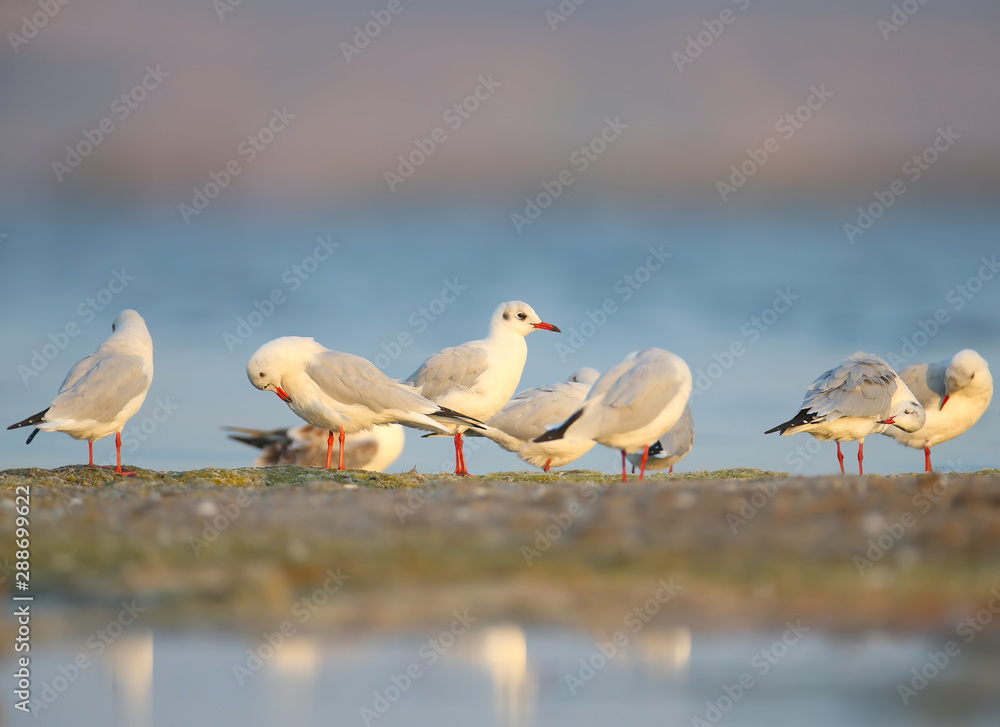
506, 675
714, 295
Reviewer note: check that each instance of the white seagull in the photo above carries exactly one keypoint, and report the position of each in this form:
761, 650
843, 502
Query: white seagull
631, 405
954, 393
670, 448
104, 390
861, 396
340, 391
479, 377
532, 412
307, 446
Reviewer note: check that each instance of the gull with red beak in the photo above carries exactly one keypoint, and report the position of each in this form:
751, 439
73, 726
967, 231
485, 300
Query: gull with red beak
340, 391
954, 392
861, 396
479, 377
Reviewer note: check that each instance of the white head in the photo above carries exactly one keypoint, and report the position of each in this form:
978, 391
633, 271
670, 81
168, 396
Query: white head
276, 358
967, 370
130, 323
908, 415
585, 375
518, 317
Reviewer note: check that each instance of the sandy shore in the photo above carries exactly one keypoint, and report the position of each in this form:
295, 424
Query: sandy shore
738, 549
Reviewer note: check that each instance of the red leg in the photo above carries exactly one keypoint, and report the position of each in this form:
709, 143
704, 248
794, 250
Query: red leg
460, 468
624, 478
341, 465
548, 463
118, 449
671, 469
927, 459
861, 456
329, 450
90, 446
645, 454
840, 458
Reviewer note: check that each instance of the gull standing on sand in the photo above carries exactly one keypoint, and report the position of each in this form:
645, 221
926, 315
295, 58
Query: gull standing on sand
307, 446
861, 396
631, 405
104, 390
670, 448
340, 391
530, 413
479, 377
954, 393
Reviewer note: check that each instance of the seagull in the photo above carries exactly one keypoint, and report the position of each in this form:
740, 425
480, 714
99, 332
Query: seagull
334, 390
670, 448
861, 396
479, 377
306, 446
954, 393
631, 405
528, 414
104, 390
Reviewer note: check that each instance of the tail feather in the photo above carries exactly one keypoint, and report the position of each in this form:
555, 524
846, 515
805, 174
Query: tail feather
33, 419
560, 431
803, 417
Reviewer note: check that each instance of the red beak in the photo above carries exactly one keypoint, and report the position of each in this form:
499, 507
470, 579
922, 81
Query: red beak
943, 402
281, 394
890, 420
546, 327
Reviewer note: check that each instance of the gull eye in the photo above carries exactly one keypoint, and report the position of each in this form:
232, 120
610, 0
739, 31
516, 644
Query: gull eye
521, 316
261, 374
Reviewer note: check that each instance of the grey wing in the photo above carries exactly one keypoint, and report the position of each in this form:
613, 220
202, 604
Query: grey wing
351, 379
681, 437
452, 368
532, 412
856, 389
641, 393
926, 381
101, 390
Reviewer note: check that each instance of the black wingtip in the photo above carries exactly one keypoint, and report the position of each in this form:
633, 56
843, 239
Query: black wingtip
803, 417
33, 419
32, 435
467, 420
258, 442
655, 448
560, 431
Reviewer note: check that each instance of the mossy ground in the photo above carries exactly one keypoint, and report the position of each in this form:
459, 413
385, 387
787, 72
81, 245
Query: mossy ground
749, 548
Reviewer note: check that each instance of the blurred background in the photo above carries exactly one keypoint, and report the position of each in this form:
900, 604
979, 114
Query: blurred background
238, 171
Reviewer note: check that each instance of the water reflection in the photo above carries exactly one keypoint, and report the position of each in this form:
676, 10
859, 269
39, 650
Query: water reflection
509, 675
